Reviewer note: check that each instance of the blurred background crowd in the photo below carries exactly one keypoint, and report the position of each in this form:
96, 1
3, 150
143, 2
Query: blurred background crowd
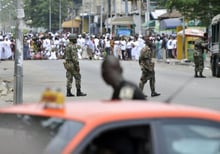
52, 46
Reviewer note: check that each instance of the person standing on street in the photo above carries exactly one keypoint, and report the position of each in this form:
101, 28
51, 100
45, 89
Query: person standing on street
71, 65
198, 56
112, 75
198, 59
147, 68
164, 46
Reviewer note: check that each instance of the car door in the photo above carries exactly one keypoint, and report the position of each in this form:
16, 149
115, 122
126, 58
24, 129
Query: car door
124, 137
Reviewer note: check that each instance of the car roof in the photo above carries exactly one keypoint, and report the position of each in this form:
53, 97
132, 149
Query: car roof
106, 111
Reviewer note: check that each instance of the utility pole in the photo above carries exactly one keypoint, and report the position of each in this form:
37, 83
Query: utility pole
126, 7
101, 17
72, 17
147, 15
109, 16
60, 15
18, 65
83, 7
140, 11
111, 27
183, 39
90, 13
50, 15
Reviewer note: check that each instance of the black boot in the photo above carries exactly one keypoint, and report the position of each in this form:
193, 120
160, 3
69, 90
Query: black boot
153, 94
79, 93
201, 76
196, 75
68, 93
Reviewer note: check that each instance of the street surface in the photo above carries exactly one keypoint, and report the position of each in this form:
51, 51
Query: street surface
172, 80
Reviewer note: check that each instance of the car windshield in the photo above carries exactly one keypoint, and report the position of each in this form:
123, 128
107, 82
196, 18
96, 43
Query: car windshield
35, 134
191, 138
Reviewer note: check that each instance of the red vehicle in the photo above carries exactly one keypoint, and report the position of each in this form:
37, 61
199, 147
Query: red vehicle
109, 127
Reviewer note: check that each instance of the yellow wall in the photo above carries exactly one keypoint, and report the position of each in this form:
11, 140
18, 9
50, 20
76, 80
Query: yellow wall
188, 46
85, 25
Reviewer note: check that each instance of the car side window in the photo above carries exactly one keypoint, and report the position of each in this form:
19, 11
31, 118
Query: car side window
24, 134
191, 138
123, 140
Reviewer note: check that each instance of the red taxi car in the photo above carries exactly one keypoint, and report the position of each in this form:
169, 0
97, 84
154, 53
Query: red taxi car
109, 127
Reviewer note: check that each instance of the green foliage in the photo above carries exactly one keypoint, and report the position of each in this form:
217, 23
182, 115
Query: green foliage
202, 10
38, 12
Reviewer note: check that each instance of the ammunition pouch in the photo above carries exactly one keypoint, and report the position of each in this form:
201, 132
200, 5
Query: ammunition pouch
68, 65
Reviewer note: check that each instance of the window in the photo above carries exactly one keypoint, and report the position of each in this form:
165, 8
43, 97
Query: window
122, 140
191, 137
34, 134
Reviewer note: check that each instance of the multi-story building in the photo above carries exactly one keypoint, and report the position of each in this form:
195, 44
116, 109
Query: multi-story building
100, 16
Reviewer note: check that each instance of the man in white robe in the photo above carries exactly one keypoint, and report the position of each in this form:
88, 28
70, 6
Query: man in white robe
5, 52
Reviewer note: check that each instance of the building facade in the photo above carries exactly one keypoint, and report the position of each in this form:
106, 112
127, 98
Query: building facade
97, 15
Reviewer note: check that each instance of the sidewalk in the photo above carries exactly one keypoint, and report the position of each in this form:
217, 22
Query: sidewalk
6, 82
184, 62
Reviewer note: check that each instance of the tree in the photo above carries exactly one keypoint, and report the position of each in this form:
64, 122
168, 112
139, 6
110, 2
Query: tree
202, 10
37, 12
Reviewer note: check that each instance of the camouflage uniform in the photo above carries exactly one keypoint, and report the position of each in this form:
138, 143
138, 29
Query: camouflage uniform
147, 68
71, 58
200, 46
71, 65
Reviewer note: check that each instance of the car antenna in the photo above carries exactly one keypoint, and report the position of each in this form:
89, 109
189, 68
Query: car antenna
173, 95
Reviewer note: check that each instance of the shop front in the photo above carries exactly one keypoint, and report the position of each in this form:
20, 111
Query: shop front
187, 38
72, 26
123, 26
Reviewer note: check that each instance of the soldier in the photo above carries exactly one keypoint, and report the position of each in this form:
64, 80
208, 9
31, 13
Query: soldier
147, 68
71, 65
112, 75
200, 47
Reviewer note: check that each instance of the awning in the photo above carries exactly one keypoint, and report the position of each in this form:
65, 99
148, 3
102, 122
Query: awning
192, 32
155, 14
216, 19
71, 24
125, 20
168, 15
170, 23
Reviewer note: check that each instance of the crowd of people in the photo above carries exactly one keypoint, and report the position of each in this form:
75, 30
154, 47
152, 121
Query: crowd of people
126, 47
52, 46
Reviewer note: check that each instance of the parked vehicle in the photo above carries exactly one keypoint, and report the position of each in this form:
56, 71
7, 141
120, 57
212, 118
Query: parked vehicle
215, 45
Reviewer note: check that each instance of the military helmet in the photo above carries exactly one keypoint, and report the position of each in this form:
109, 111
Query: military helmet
72, 37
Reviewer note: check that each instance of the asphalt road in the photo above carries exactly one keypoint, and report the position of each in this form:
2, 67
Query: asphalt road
172, 81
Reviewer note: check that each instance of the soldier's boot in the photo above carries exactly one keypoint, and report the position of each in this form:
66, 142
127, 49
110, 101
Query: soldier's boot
68, 93
154, 94
152, 87
196, 74
201, 75
141, 86
80, 93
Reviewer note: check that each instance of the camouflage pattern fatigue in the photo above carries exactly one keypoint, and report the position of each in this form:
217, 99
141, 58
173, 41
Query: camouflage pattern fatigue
200, 47
72, 66
147, 68
198, 61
